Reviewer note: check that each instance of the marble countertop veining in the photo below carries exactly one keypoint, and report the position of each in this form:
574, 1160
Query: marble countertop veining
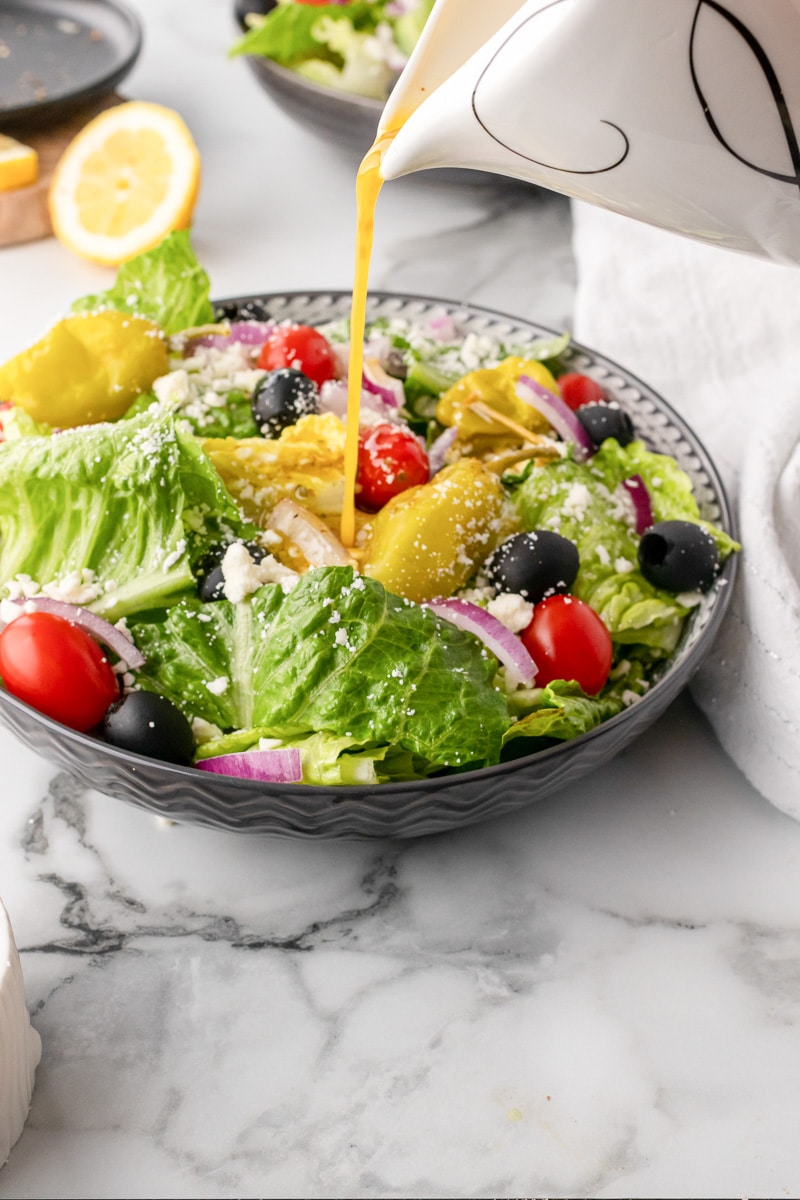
599, 996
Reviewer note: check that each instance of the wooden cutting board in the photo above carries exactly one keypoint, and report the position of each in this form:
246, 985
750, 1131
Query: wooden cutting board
23, 211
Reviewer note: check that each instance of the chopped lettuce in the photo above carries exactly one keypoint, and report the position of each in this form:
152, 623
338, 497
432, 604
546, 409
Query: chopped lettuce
288, 33
166, 284
359, 47
561, 711
233, 418
586, 503
337, 656
16, 424
128, 509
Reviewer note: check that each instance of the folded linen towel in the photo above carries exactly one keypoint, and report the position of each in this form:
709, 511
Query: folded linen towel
718, 335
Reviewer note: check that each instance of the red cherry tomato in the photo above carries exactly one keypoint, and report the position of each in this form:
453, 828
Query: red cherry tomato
303, 349
58, 669
567, 640
577, 389
390, 460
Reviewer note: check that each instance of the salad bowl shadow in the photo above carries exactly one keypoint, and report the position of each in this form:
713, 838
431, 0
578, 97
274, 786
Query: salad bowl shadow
446, 802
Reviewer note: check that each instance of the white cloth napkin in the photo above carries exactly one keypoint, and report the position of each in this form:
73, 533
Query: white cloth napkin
718, 335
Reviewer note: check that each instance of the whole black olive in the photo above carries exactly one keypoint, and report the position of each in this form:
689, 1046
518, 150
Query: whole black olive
678, 556
211, 581
249, 310
534, 565
150, 724
281, 398
603, 421
395, 364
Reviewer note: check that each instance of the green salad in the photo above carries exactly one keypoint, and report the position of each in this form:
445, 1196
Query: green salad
171, 569
356, 46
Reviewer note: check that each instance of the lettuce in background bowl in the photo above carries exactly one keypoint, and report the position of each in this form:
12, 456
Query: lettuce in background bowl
331, 66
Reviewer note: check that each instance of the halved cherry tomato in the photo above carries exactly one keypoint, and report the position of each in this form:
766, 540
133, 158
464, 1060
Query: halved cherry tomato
301, 348
58, 669
568, 640
577, 389
390, 460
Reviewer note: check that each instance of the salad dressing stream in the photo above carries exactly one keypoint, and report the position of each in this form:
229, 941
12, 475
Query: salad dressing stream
368, 186
450, 35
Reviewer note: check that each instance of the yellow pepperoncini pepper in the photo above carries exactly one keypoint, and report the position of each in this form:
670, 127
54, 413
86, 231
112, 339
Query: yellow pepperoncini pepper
495, 387
88, 367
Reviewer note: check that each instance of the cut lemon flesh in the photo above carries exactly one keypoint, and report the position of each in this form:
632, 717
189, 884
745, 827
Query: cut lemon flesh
129, 178
19, 164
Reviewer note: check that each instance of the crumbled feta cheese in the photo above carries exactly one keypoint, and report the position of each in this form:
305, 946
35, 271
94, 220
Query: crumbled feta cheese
243, 575
9, 610
205, 731
77, 587
218, 686
577, 501
176, 555
514, 611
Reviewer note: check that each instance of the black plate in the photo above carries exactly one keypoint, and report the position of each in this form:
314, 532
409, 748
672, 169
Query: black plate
449, 801
57, 54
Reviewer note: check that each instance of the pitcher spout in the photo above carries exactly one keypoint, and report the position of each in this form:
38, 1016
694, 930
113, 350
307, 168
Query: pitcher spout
684, 115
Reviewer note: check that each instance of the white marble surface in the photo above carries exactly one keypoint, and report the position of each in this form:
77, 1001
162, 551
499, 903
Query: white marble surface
596, 997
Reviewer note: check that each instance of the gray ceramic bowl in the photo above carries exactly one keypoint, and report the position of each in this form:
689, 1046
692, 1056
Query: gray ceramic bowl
448, 802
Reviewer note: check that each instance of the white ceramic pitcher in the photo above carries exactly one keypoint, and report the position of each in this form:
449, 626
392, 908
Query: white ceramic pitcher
681, 113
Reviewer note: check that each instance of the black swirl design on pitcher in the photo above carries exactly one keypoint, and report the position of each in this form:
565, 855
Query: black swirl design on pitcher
527, 157
773, 83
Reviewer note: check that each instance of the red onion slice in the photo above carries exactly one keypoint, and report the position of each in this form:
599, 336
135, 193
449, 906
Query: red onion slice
375, 380
267, 766
309, 532
443, 328
439, 448
559, 414
102, 631
249, 333
636, 488
504, 644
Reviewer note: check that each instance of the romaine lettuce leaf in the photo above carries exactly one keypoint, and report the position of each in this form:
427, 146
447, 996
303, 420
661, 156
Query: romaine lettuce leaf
328, 760
561, 711
16, 424
338, 761
128, 507
287, 33
166, 284
337, 655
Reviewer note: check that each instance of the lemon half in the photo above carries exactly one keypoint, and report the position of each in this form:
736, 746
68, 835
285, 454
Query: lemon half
129, 178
